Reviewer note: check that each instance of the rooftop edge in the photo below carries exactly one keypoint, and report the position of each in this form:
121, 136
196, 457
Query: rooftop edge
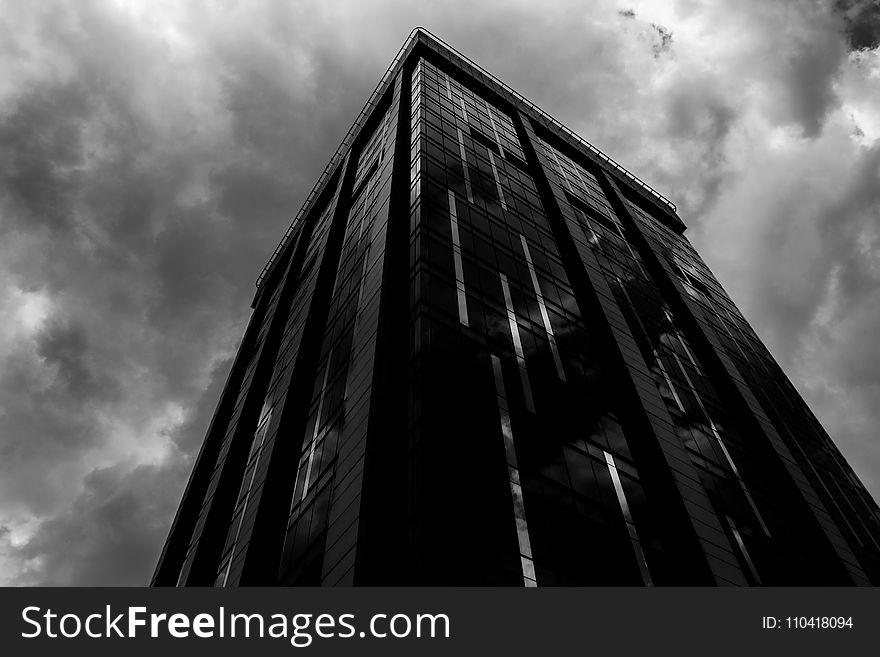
553, 124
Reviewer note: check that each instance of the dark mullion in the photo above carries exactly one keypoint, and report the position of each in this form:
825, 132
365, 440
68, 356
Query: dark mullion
381, 525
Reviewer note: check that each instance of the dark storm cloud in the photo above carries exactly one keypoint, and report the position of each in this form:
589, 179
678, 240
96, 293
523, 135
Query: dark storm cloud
862, 20
116, 191
112, 533
188, 435
151, 157
37, 140
811, 70
66, 348
699, 119
147, 175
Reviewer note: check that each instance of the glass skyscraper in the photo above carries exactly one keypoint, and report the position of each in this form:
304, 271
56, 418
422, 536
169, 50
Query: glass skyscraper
485, 353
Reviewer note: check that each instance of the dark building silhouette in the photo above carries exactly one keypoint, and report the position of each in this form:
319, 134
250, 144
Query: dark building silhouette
485, 353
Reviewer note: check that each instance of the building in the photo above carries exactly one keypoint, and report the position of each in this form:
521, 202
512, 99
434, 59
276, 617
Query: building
485, 353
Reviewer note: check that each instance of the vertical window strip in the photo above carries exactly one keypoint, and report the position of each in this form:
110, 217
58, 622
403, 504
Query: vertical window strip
560, 168
683, 342
743, 550
517, 345
384, 140
867, 531
366, 261
497, 180
584, 185
629, 248
184, 571
367, 201
594, 238
463, 109
415, 100
545, 317
359, 310
616, 221
316, 433
627, 516
244, 494
360, 208
456, 257
372, 147
833, 499
464, 166
460, 98
730, 333
668, 381
494, 129
721, 444
654, 353
593, 191
226, 567
374, 179
841, 494
516, 493
847, 494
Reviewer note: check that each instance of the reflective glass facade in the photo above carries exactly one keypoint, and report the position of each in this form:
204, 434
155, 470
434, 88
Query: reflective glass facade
486, 354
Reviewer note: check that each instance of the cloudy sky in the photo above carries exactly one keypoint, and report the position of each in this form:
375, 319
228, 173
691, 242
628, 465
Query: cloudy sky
152, 154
